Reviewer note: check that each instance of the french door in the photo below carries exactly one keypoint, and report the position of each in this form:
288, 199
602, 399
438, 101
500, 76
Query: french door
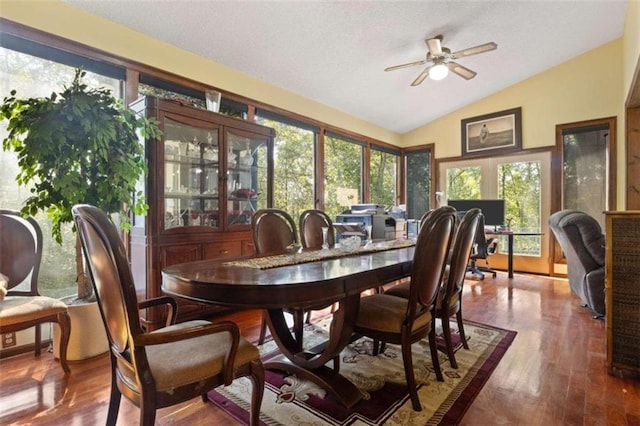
524, 182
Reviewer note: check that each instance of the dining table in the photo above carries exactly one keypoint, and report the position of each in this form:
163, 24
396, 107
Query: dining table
299, 280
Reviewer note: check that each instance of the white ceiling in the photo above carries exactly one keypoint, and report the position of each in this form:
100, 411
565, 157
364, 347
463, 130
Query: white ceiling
334, 52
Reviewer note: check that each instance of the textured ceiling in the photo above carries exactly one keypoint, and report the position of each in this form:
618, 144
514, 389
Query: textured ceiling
334, 52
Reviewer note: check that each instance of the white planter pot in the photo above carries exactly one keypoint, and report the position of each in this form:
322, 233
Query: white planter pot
88, 337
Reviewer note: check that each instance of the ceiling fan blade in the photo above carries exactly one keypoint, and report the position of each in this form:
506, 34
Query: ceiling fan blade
463, 72
475, 50
410, 64
434, 45
421, 77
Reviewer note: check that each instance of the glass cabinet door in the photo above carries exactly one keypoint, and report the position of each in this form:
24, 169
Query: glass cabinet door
191, 193
246, 176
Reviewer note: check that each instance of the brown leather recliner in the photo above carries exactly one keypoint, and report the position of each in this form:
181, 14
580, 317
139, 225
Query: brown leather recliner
581, 239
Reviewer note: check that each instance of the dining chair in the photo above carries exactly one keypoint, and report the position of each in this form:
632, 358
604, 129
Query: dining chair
449, 300
401, 321
274, 232
311, 223
169, 365
23, 307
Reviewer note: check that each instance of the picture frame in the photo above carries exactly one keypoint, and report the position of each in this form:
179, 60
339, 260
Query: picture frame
492, 134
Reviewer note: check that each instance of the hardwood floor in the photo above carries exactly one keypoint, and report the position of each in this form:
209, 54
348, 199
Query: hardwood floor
553, 374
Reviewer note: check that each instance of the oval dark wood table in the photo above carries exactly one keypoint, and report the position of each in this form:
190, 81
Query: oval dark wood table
300, 285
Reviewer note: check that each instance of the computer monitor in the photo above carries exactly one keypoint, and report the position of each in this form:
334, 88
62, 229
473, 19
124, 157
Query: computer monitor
492, 210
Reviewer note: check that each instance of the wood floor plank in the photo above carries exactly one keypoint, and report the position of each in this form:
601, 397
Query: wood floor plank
553, 374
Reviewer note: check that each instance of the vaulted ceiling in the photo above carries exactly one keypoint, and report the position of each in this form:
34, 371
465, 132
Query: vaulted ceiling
335, 52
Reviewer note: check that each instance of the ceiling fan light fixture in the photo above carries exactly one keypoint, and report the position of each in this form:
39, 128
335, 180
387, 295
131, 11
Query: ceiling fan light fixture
438, 72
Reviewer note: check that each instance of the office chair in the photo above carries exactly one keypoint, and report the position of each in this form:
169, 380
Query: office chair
482, 249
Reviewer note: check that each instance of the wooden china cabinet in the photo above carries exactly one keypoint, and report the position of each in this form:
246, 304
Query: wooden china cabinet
207, 174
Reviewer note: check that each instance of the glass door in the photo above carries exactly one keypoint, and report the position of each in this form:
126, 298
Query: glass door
523, 181
191, 170
247, 176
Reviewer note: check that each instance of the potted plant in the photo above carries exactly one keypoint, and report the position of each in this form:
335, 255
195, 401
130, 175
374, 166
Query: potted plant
77, 146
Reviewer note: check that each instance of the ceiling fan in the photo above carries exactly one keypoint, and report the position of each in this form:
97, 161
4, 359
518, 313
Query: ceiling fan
441, 60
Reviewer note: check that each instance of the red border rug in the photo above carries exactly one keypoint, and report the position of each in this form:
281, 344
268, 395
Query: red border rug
291, 401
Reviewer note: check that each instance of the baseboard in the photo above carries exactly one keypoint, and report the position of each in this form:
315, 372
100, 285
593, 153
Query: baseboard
23, 349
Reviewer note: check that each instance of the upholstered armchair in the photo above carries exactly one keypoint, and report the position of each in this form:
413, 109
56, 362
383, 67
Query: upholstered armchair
583, 244
21, 305
169, 365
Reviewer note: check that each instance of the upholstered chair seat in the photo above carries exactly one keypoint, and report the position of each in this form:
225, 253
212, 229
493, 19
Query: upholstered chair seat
21, 309
386, 313
171, 369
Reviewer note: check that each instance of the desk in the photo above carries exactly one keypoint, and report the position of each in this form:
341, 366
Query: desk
301, 286
510, 235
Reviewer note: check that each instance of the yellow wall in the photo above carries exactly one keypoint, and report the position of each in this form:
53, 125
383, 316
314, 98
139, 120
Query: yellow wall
631, 44
56, 17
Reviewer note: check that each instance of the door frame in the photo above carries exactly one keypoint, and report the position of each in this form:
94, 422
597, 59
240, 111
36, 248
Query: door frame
557, 160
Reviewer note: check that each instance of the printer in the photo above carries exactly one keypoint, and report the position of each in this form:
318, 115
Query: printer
383, 225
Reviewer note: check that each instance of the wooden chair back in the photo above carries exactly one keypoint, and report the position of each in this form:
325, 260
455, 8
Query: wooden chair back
462, 246
273, 230
111, 277
429, 261
311, 224
20, 252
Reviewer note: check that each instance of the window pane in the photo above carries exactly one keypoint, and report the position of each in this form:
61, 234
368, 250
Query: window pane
293, 176
383, 171
463, 183
165, 92
418, 183
585, 172
519, 185
31, 76
342, 174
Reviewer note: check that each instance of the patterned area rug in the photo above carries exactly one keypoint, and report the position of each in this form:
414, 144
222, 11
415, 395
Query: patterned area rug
290, 401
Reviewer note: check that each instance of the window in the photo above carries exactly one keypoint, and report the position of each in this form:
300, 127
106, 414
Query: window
418, 183
463, 183
293, 164
383, 174
519, 184
342, 173
584, 180
33, 76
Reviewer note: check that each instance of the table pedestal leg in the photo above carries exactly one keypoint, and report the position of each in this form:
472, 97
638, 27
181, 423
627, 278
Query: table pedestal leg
311, 363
